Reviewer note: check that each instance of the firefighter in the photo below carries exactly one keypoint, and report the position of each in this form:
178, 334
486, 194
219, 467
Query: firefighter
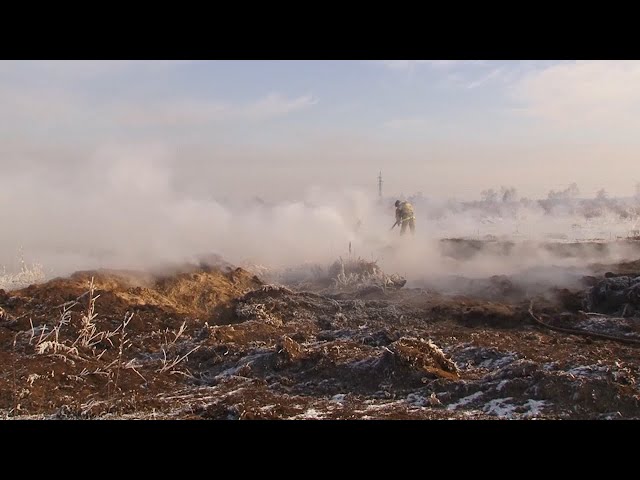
405, 217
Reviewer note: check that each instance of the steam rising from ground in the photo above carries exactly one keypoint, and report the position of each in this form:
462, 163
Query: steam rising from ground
122, 209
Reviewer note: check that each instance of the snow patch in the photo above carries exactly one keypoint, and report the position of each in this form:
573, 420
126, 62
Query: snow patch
339, 398
534, 408
417, 400
465, 401
311, 414
594, 371
500, 407
495, 363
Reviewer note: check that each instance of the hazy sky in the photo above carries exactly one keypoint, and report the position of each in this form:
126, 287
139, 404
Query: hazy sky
277, 128
126, 163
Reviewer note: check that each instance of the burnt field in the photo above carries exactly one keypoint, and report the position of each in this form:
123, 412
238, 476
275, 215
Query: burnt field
215, 341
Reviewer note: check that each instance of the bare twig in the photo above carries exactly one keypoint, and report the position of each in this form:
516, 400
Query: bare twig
89, 335
167, 366
123, 345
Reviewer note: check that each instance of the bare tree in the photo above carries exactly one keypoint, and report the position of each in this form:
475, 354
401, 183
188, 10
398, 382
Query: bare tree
489, 195
602, 194
572, 191
508, 194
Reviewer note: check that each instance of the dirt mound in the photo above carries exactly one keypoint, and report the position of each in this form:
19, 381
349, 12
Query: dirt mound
619, 295
212, 341
351, 276
425, 355
206, 293
477, 312
361, 277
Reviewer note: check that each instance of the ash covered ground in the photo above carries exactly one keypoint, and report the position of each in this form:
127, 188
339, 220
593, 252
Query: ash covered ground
211, 340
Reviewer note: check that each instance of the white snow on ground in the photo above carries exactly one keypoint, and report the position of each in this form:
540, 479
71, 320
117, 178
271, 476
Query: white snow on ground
230, 372
495, 363
500, 407
384, 405
597, 371
339, 398
535, 408
309, 414
370, 405
465, 401
501, 385
417, 400
313, 414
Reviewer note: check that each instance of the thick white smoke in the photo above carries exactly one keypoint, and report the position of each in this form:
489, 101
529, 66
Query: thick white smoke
120, 208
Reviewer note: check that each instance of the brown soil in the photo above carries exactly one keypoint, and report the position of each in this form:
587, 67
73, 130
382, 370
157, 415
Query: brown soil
218, 343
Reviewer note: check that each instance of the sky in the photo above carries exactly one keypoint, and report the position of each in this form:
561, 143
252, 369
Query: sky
131, 164
276, 129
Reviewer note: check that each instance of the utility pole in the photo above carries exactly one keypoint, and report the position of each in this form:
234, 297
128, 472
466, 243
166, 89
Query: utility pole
380, 185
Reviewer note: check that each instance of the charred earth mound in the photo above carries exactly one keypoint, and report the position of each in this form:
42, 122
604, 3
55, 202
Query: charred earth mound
347, 342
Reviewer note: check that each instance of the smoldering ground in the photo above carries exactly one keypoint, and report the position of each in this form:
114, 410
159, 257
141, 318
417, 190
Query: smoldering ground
124, 208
